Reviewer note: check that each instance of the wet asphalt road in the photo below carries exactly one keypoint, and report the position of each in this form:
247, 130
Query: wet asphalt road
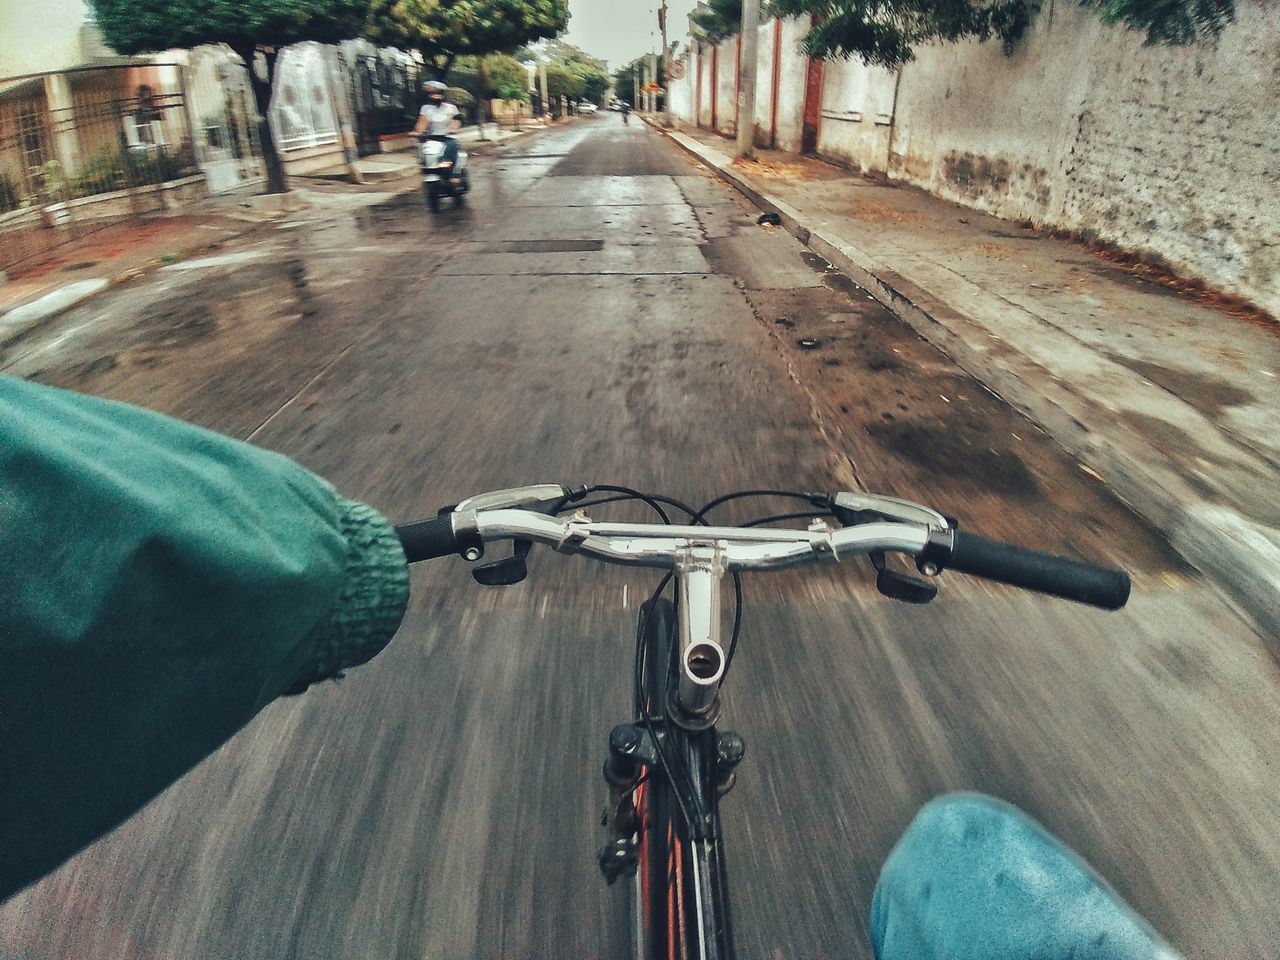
603, 311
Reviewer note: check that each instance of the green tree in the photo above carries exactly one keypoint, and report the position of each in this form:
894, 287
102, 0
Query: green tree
246, 26
442, 30
505, 77
594, 84
465, 74
1169, 21
563, 82
886, 32
573, 59
717, 20
624, 78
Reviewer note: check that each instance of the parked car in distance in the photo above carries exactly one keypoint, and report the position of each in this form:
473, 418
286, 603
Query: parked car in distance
586, 108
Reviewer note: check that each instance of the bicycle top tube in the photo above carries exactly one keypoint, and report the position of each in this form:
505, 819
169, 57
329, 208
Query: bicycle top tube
666, 545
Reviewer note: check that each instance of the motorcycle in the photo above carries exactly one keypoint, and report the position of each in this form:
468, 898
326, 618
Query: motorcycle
441, 178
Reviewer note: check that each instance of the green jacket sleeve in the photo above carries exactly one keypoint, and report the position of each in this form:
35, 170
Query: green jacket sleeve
159, 585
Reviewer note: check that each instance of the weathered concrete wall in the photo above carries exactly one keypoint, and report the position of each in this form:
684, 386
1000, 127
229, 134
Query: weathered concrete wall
682, 91
764, 82
727, 87
791, 80
790, 86
857, 114
1170, 151
706, 88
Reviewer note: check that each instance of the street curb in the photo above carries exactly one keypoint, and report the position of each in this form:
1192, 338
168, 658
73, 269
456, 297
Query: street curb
1219, 542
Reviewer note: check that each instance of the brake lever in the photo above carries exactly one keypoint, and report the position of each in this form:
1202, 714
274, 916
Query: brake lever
900, 586
505, 572
543, 498
864, 507
539, 496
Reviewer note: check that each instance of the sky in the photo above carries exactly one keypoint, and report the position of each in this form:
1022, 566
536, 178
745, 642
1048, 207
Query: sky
621, 30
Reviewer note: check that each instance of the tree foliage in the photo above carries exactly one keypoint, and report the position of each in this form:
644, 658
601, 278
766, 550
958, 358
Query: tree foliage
442, 30
505, 77
886, 32
624, 78
460, 97
717, 20
1169, 21
563, 82
595, 81
143, 26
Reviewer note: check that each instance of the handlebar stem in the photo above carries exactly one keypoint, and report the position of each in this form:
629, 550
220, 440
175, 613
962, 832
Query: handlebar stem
702, 659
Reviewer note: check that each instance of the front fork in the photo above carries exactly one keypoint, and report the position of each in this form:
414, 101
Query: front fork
632, 751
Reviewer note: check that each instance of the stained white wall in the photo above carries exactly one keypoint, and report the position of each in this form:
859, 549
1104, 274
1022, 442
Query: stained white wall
857, 114
791, 81
727, 87
1171, 151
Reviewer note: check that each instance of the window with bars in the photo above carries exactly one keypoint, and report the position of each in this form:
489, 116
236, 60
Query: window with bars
31, 142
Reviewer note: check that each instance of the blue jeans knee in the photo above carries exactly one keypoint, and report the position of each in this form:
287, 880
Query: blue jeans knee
974, 878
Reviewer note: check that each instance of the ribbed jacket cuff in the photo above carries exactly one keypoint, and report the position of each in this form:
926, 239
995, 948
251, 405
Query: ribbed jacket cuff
375, 592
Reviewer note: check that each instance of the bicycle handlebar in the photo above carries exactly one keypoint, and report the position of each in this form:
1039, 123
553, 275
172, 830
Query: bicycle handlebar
1043, 572
427, 539
755, 548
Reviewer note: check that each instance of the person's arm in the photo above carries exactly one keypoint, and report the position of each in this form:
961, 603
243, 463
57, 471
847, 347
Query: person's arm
421, 126
455, 122
159, 585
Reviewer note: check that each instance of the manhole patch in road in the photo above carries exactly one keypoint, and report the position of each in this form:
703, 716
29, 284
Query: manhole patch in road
544, 246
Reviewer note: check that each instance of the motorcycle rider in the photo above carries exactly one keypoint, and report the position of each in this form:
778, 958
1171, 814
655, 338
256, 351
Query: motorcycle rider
439, 120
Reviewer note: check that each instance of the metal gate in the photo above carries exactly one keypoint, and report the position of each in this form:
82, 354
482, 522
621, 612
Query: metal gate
223, 118
383, 87
84, 148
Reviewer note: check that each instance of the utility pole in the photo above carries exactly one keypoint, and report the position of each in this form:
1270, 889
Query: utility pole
635, 98
542, 81
747, 78
666, 66
653, 79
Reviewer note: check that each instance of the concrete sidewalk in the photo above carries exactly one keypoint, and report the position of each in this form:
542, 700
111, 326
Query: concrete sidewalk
1173, 401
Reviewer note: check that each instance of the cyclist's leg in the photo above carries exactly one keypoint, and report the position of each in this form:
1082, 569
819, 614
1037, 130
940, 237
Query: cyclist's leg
973, 878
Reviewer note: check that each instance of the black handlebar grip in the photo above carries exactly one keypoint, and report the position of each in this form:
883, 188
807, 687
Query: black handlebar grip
427, 539
1021, 567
